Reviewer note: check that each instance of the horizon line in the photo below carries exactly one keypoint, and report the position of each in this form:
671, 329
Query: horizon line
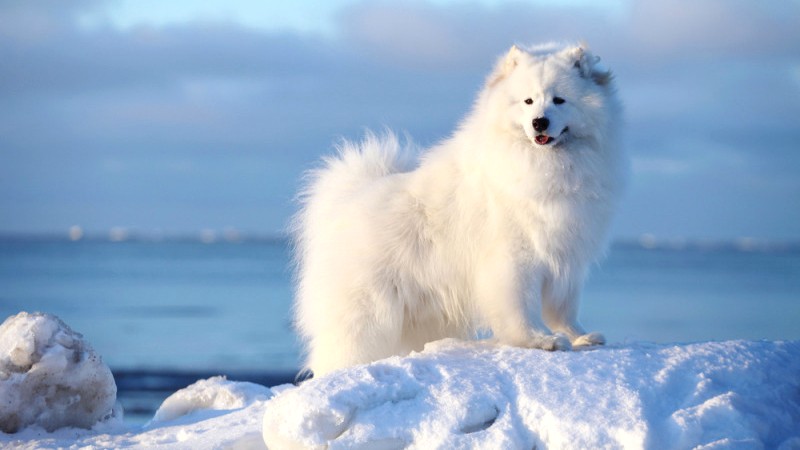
232, 236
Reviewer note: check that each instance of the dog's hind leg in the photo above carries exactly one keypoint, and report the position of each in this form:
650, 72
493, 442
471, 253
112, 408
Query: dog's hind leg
367, 331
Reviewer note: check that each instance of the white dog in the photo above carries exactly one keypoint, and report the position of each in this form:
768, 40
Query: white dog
493, 229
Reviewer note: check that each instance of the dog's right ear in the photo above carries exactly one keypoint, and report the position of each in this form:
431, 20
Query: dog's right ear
505, 65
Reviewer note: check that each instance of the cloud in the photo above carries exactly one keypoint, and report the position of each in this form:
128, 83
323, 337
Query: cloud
716, 29
234, 113
455, 36
638, 39
75, 60
31, 22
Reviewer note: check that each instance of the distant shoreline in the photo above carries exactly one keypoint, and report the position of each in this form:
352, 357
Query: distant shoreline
645, 242
146, 238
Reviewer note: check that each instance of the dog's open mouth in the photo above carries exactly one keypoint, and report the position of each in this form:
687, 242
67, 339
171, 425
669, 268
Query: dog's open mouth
543, 139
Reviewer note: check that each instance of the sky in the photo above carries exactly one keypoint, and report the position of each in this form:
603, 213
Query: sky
180, 116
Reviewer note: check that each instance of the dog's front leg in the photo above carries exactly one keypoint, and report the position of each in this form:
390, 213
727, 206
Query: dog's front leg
560, 313
513, 312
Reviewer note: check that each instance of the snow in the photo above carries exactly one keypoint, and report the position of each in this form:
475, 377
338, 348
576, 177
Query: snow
475, 395
456, 394
238, 428
213, 394
50, 376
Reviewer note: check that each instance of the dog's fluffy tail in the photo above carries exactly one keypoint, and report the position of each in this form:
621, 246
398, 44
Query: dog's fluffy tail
356, 164
359, 162
327, 192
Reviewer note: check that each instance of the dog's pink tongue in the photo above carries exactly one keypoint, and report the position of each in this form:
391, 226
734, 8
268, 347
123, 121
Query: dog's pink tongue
542, 139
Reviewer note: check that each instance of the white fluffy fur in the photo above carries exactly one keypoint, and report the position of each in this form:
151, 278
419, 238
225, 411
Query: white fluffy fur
491, 231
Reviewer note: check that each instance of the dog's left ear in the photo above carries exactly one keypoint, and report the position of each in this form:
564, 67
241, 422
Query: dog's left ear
589, 67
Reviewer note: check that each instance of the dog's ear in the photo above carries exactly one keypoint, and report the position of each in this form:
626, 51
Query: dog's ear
505, 65
589, 66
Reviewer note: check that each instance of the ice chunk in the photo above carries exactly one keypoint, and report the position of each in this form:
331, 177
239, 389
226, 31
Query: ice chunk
50, 376
215, 393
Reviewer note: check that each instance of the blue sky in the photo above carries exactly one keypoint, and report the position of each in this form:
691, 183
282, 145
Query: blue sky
180, 116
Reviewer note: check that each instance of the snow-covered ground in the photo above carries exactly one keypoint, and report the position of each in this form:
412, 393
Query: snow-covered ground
471, 395
216, 414
455, 394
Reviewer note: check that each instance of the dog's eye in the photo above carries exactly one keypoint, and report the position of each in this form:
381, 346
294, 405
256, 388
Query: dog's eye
528, 101
558, 100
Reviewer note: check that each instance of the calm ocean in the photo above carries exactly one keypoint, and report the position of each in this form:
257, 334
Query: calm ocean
164, 313
185, 305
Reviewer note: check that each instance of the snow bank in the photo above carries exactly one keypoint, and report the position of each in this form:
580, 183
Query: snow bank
50, 376
210, 414
231, 429
473, 395
213, 394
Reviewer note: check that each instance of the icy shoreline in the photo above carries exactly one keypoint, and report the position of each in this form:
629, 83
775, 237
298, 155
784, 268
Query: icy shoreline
741, 394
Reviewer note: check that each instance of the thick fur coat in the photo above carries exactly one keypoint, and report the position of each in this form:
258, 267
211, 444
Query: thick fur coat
494, 228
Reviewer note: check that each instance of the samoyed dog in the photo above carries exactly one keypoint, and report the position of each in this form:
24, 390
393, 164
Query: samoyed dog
493, 229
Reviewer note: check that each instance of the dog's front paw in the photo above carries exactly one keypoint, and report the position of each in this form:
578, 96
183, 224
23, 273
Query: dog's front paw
553, 342
589, 340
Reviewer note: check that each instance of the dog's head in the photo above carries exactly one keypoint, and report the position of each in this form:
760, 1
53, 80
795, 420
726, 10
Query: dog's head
553, 94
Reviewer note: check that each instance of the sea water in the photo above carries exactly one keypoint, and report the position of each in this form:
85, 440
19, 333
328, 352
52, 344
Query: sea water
226, 306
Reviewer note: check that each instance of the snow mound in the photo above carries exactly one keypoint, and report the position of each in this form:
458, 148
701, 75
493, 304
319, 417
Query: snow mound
50, 376
212, 394
235, 429
475, 395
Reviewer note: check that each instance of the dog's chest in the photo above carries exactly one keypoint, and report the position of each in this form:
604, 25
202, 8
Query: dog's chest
566, 230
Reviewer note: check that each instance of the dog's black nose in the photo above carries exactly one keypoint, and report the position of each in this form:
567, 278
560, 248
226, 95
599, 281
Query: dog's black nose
541, 123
